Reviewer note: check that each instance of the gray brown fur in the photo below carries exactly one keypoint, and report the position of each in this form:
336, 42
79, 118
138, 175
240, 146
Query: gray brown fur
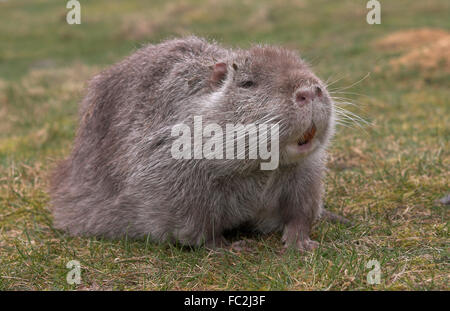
120, 178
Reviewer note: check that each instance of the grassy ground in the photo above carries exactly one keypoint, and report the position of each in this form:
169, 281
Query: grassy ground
385, 177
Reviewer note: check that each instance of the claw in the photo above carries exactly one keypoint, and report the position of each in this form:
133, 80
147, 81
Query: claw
303, 246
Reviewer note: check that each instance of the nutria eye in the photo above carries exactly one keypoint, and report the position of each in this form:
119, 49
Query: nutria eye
247, 84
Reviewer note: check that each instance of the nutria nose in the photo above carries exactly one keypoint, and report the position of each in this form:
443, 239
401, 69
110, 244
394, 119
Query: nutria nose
306, 95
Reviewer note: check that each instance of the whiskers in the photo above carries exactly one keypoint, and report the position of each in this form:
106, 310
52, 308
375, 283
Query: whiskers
345, 117
348, 118
346, 87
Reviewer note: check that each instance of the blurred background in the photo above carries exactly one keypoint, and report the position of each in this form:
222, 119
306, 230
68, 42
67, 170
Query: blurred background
387, 173
44, 61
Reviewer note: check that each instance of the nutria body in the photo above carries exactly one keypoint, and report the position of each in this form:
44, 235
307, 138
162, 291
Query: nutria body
121, 179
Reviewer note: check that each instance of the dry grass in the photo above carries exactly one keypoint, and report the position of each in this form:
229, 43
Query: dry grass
411, 38
425, 48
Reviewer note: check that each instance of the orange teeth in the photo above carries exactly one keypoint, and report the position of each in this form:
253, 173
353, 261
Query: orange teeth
308, 136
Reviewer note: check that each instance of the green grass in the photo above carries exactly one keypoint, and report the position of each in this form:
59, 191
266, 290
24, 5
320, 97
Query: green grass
385, 177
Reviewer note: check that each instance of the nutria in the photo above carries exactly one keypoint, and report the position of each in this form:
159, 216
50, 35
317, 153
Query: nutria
121, 179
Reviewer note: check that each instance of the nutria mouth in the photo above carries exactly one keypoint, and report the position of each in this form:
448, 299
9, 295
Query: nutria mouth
307, 136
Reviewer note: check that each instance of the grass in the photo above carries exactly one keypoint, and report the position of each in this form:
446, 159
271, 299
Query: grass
385, 177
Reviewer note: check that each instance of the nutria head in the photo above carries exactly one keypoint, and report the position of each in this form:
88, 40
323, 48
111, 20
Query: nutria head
273, 85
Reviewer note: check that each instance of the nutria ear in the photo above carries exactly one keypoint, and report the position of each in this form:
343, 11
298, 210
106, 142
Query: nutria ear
219, 73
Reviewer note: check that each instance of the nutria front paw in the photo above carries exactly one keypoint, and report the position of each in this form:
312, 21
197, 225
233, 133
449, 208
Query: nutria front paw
298, 239
305, 245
